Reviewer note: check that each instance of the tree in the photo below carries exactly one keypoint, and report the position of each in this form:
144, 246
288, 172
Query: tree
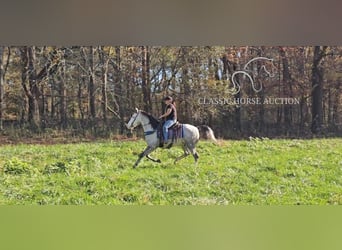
30, 85
2, 81
63, 93
317, 89
230, 65
119, 91
104, 60
145, 77
287, 87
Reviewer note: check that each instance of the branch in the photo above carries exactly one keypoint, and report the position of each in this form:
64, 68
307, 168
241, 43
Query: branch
82, 68
111, 110
7, 62
49, 68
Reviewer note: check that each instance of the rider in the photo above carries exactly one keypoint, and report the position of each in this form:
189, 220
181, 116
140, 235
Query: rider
170, 116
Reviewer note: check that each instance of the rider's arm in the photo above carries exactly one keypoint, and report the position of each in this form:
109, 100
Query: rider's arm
168, 111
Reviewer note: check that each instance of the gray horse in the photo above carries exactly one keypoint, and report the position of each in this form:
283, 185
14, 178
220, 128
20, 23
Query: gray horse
191, 135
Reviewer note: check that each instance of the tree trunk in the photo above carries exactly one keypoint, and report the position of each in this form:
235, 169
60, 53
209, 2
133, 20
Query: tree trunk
185, 89
261, 124
2, 81
261, 121
228, 69
104, 72
63, 97
237, 112
91, 85
287, 88
31, 90
330, 107
317, 89
42, 108
81, 83
121, 89
279, 109
145, 79
301, 110
335, 116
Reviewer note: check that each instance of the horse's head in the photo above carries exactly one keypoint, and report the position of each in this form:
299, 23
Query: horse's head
266, 65
135, 120
269, 67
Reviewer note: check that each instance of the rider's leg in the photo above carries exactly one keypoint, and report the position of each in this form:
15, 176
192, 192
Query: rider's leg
166, 127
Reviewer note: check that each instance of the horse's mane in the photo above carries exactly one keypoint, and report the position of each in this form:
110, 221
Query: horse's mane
154, 121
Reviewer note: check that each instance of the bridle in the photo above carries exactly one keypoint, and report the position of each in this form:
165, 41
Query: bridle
135, 118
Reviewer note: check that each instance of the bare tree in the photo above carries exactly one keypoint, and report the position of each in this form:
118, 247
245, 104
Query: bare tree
29, 83
229, 67
145, 78
287, 87
104, 60
317, 89
2, 81
63, 95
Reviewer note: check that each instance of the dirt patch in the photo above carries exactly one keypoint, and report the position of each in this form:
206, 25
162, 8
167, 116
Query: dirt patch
7, 140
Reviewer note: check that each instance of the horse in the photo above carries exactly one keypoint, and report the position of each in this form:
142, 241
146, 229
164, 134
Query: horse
246, 72
191, 135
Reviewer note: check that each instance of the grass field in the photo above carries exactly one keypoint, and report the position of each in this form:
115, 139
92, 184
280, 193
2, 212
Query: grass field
256, 171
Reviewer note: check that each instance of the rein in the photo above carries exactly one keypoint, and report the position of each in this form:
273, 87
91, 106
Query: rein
147, 132
150, 132
135, 118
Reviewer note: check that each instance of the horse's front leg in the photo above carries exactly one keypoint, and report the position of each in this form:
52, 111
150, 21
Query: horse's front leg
142, 154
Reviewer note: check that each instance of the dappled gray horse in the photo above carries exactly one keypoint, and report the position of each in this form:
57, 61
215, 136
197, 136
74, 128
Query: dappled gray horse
190, 137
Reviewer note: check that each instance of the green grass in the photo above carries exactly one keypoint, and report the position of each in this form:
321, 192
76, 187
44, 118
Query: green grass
257, 171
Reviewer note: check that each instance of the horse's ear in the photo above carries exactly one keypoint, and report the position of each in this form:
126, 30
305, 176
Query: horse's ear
136, 109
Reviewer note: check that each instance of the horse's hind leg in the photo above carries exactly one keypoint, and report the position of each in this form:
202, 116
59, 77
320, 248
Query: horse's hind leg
186, 153
193, 151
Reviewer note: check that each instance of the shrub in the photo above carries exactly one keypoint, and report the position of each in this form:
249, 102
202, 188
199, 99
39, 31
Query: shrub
15, 166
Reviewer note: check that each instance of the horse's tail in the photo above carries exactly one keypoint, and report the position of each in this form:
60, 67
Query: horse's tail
206, 133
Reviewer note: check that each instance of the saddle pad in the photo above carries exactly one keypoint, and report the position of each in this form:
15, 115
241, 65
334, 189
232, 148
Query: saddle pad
176, 133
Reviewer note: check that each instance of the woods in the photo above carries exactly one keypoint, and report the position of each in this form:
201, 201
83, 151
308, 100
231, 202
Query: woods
94, 89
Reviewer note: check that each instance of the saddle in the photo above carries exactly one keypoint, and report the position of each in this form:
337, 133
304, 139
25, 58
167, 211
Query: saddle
175, 126
175, 132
